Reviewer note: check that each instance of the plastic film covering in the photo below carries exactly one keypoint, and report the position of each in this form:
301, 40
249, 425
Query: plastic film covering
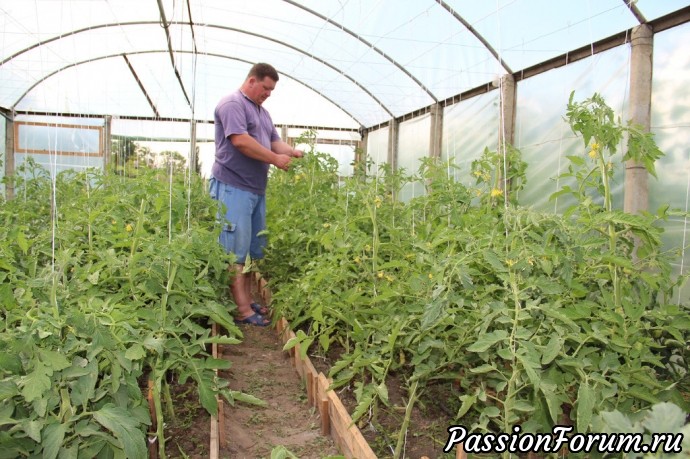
348, 64
671, 128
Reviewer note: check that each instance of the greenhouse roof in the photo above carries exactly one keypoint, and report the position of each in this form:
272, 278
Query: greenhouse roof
346, 63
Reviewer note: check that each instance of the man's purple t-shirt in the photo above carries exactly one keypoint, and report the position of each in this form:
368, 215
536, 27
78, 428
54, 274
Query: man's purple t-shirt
237, 114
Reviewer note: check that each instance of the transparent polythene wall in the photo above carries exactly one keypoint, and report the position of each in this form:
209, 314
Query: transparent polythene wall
175, 136
671, 128
545, 138
57, 144
152, 137
3, 153
377, 149
413, 145
158, 137
343, 153
469, 127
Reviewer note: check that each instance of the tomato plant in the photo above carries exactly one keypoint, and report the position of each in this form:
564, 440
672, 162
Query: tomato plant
539, 319
106, 282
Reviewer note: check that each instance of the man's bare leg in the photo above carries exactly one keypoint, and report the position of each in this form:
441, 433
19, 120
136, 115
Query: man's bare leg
241, 292
249, 283
248, 286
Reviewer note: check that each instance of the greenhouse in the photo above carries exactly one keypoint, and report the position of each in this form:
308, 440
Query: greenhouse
477, 246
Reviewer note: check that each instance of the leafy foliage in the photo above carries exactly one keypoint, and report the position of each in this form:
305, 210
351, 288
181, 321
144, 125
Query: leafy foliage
664, 419
528, 318
105, 282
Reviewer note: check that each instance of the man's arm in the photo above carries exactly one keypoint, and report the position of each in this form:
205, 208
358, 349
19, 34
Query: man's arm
283, 148
250, 147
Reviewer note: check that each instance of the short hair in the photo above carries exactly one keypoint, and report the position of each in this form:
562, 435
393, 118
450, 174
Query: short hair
262, 70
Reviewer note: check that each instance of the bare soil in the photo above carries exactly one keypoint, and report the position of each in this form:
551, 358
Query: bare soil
430, 418
427, 431
260, 368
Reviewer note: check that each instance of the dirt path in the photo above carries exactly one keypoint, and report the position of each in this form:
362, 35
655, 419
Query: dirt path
262, 369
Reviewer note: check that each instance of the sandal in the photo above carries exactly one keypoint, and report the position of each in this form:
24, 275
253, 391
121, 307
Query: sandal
254, 319
257, 308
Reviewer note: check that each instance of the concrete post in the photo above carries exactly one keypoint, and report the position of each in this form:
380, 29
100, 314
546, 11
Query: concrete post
192, 149
284, 136
393, 138
361, 155
506, 121
9, 157
436, 129
636, 190
393, 143
107, 141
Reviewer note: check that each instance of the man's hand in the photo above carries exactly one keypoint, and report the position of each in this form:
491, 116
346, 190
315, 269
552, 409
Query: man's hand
282, 161
297, 153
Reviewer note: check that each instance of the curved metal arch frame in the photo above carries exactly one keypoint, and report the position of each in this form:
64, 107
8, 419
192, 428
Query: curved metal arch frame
477, 35
365, 42
635, 11
165, 23
629, 4
295, 48
162, 51
301, 51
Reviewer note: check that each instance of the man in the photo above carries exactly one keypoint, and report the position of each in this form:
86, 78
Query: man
247, 144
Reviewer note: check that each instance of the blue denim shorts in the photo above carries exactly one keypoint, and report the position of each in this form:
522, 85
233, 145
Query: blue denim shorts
243, 216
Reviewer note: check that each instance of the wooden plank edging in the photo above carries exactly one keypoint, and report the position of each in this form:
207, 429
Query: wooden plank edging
217, 434
335, 419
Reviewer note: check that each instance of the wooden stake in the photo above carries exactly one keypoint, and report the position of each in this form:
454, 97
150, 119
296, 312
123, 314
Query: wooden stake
214, 447
324, 412
153, 446
217, 438
153, 438
214, 346
221, 424
298, 360
310, 388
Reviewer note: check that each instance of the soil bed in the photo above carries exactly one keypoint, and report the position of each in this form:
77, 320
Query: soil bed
428, 429
426, 434
259, 368
190, 431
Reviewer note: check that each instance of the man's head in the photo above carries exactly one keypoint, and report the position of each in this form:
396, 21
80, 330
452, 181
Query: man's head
261, 81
